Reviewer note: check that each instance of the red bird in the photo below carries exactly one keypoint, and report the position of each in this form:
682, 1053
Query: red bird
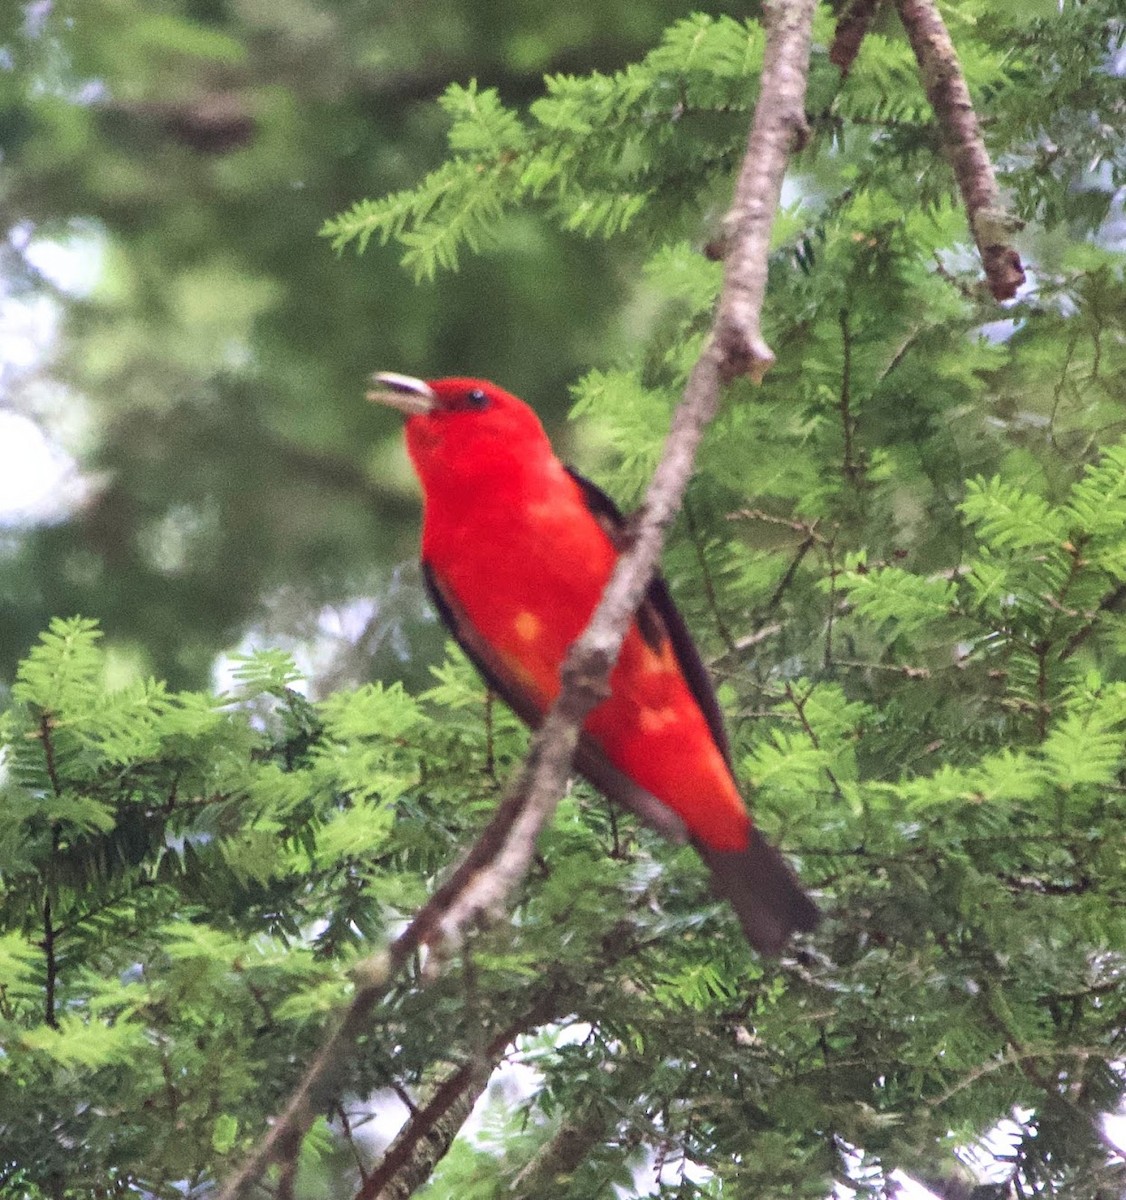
516, 550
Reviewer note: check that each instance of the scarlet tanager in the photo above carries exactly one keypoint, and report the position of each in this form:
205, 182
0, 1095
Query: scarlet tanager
516, 549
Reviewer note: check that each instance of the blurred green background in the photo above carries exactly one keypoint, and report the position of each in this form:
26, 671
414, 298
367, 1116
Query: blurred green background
173, 321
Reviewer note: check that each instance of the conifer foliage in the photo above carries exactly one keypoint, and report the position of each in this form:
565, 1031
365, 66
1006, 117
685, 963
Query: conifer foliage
904, 556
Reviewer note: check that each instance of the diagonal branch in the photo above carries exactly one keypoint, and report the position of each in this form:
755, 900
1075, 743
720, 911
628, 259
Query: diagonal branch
778, 126
422, 1142
498, 861
946, 89
562, 1154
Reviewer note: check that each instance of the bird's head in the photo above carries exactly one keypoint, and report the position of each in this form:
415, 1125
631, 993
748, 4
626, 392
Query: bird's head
458, 426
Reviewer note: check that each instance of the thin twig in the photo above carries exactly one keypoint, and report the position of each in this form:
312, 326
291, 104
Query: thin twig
346, 1127
431, 1129
1112, 602
721, 625
805, 528
791, 571
907, 672
747, 642
46, 723
992, 226
899, 355
799, 703
490, 748
850, 467
373, 978
831, 613
50, 938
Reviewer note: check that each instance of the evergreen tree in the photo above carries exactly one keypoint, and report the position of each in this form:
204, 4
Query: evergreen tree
904, 557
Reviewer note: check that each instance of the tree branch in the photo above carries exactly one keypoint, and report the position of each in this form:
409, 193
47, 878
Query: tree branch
424, 1140
853, 23
431, 1129
946, 89
1113, 602
562, 1154
779, 125
500, 858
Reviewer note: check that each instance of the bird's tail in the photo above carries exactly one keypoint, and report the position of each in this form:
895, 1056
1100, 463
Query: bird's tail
764, 891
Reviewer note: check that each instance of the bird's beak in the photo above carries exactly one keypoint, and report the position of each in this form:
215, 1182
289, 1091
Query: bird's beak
415, 397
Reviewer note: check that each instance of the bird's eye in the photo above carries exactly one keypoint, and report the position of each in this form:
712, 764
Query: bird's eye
476, 398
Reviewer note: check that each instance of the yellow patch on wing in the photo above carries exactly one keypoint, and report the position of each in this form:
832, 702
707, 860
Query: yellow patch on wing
662, 663
526, 678
653, 720
527, 626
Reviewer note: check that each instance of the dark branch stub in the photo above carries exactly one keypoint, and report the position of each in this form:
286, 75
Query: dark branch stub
991, 225
852, 25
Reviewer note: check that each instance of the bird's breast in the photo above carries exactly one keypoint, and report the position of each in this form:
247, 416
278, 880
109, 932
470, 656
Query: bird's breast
528, 575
